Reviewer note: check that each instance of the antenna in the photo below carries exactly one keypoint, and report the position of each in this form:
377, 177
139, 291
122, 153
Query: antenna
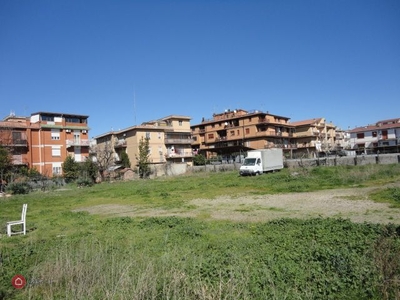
134, 105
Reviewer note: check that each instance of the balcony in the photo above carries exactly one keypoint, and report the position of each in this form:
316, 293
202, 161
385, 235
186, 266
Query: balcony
178, 154
266, 120
74, 143
184, 141
273, 133
120, 144
19, 143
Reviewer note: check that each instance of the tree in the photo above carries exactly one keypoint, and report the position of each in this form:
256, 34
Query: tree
5, 165
89, 169
70, 169
104, 157
143, 158
199, 160
125, 162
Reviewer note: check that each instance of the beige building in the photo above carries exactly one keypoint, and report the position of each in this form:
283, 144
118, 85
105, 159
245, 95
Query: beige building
233, 132
169, 141
315, 135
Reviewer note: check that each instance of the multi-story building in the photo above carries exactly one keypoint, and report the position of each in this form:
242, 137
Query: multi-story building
169, 142
233, 132
44, 140
314, 136
383, 136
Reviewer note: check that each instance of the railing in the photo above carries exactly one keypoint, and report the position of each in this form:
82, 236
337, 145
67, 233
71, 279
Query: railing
273, 133
71, 143
178, 141
120, 143
179, 154
19, 142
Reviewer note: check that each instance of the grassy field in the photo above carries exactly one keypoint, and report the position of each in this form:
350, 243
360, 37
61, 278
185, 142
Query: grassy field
71, 254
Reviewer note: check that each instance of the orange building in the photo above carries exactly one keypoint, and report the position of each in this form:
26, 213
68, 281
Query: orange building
44, 140
233, 132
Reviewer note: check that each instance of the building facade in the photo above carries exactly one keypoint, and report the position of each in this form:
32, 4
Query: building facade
381, 137
169, 142
44, 140
315, 136
233, 132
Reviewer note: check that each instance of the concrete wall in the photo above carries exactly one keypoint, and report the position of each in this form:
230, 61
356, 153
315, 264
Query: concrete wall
344, 161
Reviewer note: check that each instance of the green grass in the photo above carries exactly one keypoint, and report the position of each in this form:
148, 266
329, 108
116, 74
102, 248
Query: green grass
76, 255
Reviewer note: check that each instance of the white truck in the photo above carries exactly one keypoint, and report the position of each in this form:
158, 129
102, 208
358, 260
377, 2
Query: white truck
260, 161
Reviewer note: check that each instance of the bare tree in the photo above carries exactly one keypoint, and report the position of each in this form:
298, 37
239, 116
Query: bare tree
104, 157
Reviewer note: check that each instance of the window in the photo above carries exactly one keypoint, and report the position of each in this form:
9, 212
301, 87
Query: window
159, 135
232, 132
56, 170
211, 135
360, 135
56, 151
73, 120
180, 123
374, 134
55, 134
238, 132
247, 130
48, 118
148, 135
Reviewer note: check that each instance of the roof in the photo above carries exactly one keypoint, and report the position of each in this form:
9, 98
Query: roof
241, 115
175, 117
58, 114
374, 127
306, 122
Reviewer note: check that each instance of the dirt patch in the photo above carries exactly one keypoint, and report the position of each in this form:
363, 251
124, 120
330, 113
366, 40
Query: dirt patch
352, 204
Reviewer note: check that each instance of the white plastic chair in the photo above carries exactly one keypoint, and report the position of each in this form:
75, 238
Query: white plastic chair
19, 222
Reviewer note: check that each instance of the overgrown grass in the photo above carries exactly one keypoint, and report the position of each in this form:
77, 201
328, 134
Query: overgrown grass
75, 255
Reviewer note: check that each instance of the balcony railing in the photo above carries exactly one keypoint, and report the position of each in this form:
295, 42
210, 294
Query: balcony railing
120, 144
273, 133
179, 154
72, 143
178, 141
19, 143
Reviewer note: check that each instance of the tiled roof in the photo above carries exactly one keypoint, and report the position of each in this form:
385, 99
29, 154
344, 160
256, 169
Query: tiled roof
306, 122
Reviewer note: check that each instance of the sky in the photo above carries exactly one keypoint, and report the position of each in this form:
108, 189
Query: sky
127, 62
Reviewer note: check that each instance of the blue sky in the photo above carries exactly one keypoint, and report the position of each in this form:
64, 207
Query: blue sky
126, 62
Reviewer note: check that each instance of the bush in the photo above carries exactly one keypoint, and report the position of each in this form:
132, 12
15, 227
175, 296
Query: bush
84, 182
18, 188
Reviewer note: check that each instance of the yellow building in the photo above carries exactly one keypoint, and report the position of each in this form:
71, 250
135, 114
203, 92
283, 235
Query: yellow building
169, 142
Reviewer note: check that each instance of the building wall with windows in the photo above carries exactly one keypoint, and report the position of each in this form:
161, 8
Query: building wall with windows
169, 141
313, 136
48, 138
233, 132
382, 137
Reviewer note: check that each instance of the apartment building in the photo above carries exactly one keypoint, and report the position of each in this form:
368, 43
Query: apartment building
45, 139
381, 137
314, 136
233, 132
169, 141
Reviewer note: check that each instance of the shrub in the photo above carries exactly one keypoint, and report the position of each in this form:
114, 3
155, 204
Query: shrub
84, 181
18, 188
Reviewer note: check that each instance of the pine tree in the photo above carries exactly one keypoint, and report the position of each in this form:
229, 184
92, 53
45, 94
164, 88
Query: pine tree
70, 169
